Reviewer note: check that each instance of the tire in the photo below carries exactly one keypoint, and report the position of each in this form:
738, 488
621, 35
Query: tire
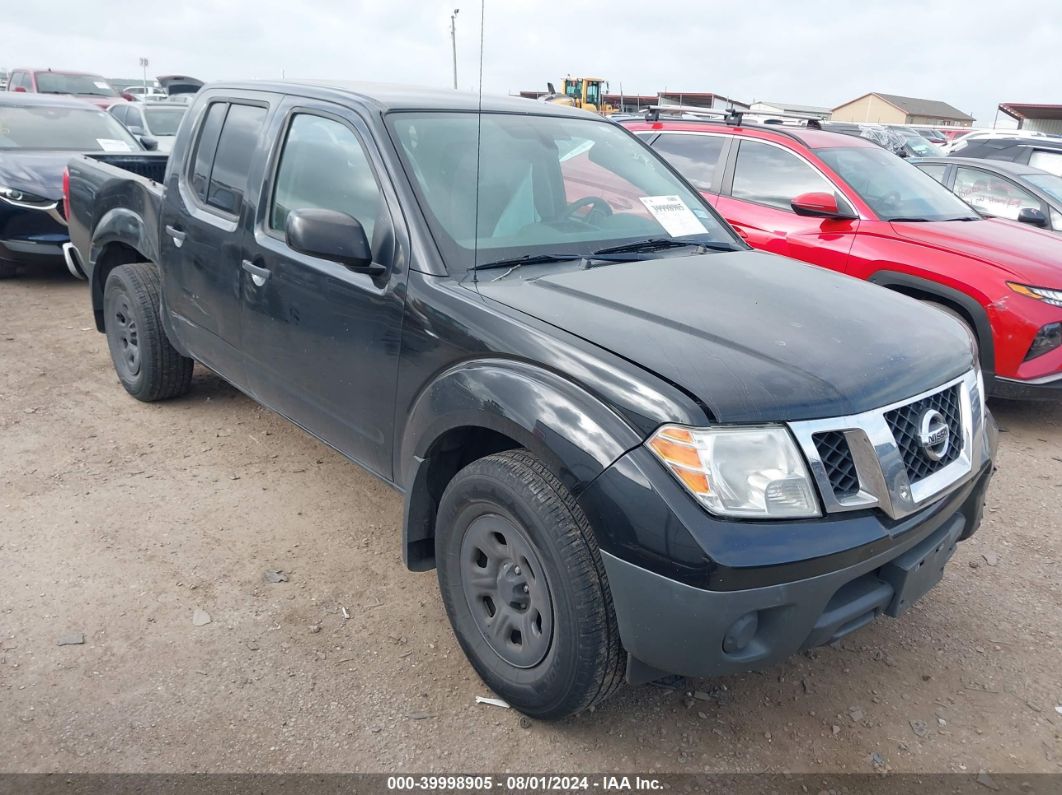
7, 269
546, 583
148, 366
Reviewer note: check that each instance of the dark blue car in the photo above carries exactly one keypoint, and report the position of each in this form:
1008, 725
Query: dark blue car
38, 135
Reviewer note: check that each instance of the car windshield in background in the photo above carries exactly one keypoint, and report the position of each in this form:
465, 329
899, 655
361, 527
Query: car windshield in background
40, 127
1048, 183
547, 185
164, 121
64, 83
895, 190
920, 145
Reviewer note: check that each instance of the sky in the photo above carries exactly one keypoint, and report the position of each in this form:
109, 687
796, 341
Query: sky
972, 54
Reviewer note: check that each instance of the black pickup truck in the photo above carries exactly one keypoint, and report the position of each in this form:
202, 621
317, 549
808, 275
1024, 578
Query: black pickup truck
629, 445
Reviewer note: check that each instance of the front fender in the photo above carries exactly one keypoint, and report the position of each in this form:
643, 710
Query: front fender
551, 416
574, 433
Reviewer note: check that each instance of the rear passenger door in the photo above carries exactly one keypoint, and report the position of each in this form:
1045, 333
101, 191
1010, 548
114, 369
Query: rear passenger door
698, 157
205, 223
763, 180
322, 341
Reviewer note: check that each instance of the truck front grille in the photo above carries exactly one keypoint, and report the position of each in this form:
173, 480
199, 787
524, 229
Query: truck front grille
837, 459
877, 459
904, 424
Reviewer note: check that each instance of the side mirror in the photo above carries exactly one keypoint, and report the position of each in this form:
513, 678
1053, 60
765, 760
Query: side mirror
1033, 217
20, 90
819, 205
332, 236
149, 143
128, 97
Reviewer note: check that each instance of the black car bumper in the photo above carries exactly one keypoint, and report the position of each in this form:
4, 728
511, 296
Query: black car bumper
30, 252
1049, 388
685, 619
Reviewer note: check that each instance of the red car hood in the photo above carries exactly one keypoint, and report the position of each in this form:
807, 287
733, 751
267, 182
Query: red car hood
1030, 255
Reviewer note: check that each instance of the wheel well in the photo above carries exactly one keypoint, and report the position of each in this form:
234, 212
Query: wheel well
448, 455
113, 255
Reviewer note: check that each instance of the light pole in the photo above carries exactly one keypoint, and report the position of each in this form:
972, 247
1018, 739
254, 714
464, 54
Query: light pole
144, 65
453, 40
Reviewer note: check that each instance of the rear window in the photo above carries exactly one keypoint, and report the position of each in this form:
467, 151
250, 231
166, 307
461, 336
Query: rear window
236, 148
73, 129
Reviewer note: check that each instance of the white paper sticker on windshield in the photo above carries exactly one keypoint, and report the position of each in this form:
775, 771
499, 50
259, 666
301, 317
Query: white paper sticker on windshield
673, 214
101, 84
113, 145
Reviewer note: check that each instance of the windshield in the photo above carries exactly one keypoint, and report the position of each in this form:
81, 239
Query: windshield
547, 185
894, 189
65, 83
920, 145
1048, 183
40, 127
164, 121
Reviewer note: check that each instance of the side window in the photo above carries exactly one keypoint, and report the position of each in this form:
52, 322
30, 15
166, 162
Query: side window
206, 147
773, 176
1050, 162
695, 156
120, 112
232, 162
133, 117
324, 166
992, 194
935, 170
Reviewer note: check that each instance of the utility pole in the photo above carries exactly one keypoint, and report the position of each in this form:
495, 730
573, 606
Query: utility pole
144, 66
453, 40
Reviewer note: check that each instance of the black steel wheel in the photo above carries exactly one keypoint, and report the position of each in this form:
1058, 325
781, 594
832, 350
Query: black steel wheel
507, 590
524, 586
148, 366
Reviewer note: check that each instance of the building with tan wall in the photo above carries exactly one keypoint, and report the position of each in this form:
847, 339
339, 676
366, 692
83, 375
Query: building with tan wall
894, 109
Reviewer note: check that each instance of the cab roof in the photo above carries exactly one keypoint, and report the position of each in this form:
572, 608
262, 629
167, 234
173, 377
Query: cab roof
388, 96
11, 99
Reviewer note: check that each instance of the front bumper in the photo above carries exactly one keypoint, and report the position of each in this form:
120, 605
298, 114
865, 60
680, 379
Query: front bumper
1047, 388
670, 627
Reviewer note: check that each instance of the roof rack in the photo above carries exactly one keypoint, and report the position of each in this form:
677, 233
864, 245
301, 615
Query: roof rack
731, 117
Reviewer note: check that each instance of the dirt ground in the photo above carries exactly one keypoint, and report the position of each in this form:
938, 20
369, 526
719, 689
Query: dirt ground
120, 520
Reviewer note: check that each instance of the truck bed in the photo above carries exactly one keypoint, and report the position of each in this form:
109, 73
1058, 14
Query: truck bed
117, 197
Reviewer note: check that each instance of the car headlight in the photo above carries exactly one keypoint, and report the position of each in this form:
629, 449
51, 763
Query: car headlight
747, 472
1045, 294
21, 198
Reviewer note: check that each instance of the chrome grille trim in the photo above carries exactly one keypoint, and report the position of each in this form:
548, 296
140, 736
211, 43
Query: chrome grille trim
884, 480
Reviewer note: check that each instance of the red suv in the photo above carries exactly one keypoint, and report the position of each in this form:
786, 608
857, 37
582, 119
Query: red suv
847, 204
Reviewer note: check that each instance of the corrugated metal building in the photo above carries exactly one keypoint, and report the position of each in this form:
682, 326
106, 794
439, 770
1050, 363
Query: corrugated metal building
1036, 118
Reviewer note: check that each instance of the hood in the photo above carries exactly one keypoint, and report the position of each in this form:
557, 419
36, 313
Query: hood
40, 173
1029, 254
754, 337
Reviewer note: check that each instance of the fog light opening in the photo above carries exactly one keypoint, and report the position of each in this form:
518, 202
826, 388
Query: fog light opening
1046, 340
741, 633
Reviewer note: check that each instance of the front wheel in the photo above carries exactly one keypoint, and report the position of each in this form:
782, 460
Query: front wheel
524, 587
148, 366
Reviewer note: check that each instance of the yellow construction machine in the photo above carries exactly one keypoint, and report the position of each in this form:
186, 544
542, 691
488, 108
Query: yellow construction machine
581, 92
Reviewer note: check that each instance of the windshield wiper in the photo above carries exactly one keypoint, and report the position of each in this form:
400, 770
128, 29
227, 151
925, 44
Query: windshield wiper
526, 259
657, 243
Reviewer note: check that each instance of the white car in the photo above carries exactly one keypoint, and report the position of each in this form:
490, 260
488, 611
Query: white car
159, 120
142, 93
958, 144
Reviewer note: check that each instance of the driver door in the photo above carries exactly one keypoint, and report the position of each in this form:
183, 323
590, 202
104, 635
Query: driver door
757, 191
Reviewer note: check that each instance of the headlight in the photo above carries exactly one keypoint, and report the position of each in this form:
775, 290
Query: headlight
22, 199
1053, 297
732, 471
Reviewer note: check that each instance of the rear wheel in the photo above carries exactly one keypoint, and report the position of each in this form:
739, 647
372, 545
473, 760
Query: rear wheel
148, 366
7, 269
524, 587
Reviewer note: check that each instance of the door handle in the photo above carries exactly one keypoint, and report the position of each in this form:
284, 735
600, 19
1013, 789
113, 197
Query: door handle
177, 235
258, 275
